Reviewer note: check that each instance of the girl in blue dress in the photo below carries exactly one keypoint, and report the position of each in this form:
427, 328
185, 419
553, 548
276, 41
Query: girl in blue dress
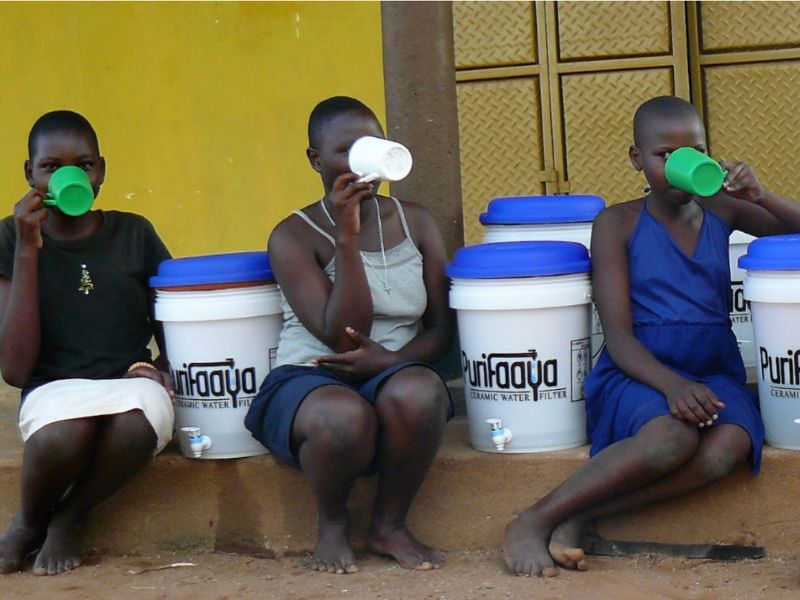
668, 410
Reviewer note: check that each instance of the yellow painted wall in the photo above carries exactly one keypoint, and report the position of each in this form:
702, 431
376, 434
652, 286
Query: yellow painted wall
201, 108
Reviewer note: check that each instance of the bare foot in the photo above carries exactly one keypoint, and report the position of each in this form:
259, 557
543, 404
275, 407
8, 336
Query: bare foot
565, 545
525, 547
61, 550
333, 553
400, 544
19, 539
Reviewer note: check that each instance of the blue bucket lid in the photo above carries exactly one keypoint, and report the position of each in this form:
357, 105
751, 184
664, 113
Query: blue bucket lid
519, 210
773, 253
519, 259
236, 267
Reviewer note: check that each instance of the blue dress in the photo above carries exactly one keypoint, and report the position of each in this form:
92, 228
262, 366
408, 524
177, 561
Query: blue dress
680, 306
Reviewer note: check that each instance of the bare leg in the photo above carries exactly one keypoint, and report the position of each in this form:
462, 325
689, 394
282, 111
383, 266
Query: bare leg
53, 459
660, 447
412, 412
335, 431
125, 444
721, 449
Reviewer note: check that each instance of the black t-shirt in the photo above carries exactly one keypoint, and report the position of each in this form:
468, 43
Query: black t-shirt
94, 301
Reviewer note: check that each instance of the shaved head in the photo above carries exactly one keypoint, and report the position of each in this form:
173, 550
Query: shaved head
665, 108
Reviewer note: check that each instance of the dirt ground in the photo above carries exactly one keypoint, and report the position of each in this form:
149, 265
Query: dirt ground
466, 576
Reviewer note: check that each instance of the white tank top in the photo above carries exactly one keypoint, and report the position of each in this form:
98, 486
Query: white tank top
397, 312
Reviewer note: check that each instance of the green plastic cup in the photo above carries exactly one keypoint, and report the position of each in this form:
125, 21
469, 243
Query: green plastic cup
70, 190
692, 171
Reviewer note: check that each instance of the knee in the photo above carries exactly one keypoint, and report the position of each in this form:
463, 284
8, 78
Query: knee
719, 459
64, 442
342, 425
132, 432
670, 445
415, 396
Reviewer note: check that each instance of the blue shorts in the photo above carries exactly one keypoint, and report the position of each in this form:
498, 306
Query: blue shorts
271, 415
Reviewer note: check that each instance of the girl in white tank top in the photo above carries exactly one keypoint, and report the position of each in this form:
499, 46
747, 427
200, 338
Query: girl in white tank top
365, 313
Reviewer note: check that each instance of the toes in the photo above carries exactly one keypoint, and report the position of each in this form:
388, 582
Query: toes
569, 558
71, 563
563, 560
40, 567
9, 566
575, 554
549, 572
527, 569
523, 569
335, 567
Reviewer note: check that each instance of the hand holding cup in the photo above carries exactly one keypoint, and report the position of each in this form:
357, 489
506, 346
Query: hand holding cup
741, 182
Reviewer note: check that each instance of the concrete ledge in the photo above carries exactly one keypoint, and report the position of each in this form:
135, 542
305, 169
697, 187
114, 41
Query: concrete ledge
257, 505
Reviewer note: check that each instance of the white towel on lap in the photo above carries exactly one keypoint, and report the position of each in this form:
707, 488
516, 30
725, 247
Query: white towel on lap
78, 398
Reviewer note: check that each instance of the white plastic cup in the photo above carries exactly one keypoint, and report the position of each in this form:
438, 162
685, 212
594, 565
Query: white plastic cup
222, 320
523, 321
741, 319
772, 286
375, 159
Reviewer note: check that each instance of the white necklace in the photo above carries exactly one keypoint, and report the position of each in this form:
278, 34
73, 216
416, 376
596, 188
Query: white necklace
385, 279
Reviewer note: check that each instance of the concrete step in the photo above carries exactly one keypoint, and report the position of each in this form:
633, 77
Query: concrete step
257, 505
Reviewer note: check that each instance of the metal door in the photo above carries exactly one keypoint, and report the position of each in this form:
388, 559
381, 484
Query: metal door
546, 94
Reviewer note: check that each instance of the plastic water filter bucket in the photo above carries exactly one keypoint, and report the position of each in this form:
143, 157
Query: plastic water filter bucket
567, 218
772, 286
523, 319
536, 218
222, 319
740, 312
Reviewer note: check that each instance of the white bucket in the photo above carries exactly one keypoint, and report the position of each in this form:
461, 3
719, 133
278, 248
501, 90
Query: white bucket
532, 232
524, 334
567, 218
221, 344
772, 286
741, 320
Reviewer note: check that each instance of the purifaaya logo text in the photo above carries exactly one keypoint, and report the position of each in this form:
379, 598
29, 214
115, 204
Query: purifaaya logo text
780, 370
515, 376
214, 380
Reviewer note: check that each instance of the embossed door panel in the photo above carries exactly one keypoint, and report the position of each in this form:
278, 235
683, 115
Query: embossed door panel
731, 26
752, 113
503, 104
609, 58
489, 34
745, 65
546, 94
598, 111
501, 144
594, 30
